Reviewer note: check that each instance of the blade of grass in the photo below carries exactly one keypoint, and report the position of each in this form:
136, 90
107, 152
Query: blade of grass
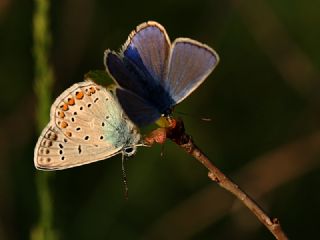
43, 84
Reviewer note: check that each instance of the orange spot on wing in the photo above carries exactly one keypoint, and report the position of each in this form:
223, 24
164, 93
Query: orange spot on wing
79, 95
61, 114
64, 107
48, 143
87, 92
71, 101
54, 137
64, 124
69, 134
92, 90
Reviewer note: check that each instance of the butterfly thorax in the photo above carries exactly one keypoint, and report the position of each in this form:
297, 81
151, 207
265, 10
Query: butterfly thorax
127, 137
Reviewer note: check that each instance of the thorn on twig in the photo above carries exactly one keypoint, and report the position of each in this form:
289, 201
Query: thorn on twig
275, 221
213, 177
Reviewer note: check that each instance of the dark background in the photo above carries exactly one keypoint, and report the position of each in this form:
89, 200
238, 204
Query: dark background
263, 99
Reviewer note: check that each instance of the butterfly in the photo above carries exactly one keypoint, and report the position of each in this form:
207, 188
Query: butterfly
87, 124
154, 75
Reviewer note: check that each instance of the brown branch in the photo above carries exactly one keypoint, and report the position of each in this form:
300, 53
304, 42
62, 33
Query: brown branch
292, 160
177, 134
216, 175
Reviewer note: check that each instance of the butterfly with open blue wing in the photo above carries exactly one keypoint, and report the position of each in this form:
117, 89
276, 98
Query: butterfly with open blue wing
154, 75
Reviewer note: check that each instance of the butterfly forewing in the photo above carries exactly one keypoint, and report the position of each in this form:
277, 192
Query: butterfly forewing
190, 63
151, 43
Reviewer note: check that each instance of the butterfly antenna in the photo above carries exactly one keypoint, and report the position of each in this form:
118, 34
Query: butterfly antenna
124, 178
206, 119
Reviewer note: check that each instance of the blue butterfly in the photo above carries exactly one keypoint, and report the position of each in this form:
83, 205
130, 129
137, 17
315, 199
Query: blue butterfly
154, 75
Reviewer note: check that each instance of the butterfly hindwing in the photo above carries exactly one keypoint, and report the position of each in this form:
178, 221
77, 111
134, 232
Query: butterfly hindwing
86, 125
137, 108
55, 151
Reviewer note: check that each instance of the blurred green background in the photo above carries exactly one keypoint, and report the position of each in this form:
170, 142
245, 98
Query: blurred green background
263, 99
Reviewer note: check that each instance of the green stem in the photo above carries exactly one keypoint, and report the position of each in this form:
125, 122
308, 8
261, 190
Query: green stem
43, 84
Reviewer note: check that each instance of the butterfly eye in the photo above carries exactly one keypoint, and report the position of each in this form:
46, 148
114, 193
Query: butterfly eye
129, 150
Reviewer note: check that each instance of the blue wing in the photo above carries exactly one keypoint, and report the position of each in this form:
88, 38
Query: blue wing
139, 111
149, 48
139, 82
141, 68
155, 75
190, 63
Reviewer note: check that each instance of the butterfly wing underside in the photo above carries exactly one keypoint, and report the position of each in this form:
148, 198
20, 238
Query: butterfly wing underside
86, 125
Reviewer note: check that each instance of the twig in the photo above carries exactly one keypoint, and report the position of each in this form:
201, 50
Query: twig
216, 175
189, 217
178, 135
